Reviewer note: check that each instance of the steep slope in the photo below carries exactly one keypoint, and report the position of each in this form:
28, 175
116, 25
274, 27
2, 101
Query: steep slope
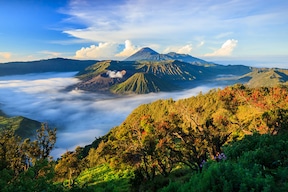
22, 126
141, 83
172, 70
104, 74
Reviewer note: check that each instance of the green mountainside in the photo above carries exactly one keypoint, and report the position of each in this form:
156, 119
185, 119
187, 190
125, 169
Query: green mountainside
22, 126
234, 139
172, 70
141, 83
98, 77
181, 145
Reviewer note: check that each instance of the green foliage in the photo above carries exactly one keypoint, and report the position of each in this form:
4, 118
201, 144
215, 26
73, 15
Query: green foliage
166, 146
25, 165
69, 167
256, 163
105, 178
157, 138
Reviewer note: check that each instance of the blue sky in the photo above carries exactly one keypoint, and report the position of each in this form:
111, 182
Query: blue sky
252, 32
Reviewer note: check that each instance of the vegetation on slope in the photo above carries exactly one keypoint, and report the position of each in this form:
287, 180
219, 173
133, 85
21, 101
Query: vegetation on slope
172, 70
22, 126
173, 140
267, 77
97, 77
141, 83
233, 139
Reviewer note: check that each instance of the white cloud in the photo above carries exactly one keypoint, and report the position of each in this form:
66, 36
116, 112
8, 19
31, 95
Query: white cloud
128, 50
226, 49
186, 49
138, 21
106, 50
116, 74
5, 55
102, 51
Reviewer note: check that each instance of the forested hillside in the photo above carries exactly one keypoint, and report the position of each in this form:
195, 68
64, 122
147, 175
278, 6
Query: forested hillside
234, 139
22, 126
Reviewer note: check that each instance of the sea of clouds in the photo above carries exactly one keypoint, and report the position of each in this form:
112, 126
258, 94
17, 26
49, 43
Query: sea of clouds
79, 116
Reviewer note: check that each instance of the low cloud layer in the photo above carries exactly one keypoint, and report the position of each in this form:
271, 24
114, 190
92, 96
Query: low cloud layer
79, 116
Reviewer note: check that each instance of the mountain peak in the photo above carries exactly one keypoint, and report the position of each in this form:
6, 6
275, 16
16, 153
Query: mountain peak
148, 54
147, 50
143, 54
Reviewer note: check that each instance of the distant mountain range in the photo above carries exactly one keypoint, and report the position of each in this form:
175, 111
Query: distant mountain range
41, 66
147, 54
148, 71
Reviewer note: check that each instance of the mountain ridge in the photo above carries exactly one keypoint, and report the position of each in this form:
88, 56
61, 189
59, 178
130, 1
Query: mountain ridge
44, 65
148, 54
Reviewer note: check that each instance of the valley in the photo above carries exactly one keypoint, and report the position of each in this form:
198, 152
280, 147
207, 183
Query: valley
95, 104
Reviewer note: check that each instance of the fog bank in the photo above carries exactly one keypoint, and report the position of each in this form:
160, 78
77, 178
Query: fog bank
79, 116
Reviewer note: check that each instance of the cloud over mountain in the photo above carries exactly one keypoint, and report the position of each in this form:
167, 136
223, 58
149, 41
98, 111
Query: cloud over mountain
128, 50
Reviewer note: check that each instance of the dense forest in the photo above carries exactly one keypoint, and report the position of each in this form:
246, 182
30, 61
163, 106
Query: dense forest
231, 139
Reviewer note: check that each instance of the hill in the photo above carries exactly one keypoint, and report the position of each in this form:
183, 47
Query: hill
24, 127
41, 66
267, 77
195, 140
234, 139
141, 83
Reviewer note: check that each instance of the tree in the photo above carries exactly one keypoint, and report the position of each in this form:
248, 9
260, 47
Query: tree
26, 165
11, 155
69, 166
40, 148
276, 120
